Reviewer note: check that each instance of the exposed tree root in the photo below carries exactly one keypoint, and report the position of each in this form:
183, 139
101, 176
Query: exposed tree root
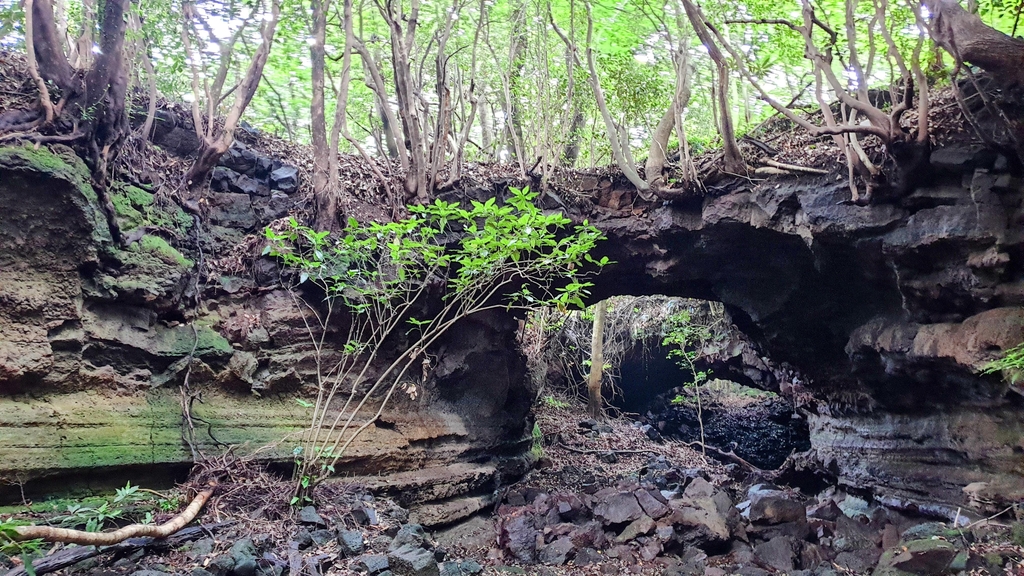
795, 168
75, 554
67, 536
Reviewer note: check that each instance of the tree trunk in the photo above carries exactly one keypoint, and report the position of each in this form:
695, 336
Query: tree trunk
53, 66
733, 158
517, 61
571, 153
486, 129
969, 39
595, 402
213, 149
318, 121
659, 144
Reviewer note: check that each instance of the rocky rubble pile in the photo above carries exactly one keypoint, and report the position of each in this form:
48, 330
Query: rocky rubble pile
674, 522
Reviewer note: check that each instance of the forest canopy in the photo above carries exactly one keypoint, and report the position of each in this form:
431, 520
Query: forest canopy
424, 86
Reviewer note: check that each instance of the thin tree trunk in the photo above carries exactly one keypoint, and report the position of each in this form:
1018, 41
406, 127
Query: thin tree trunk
486, 129
380, 89
619, 145
212, 151
33, 69
574, 139
341, 115
733, 158
318, 122
83, 46
659, 147
595, 403
517, 61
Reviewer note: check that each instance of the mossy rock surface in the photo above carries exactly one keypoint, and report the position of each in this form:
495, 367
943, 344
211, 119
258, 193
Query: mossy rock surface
160, 248
925, 557
58, 179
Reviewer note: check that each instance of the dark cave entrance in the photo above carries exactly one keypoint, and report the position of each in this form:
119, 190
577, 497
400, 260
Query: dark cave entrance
741, 408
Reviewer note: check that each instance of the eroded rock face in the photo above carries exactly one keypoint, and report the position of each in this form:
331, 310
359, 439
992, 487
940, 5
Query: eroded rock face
887, 312
884, 313
94, 342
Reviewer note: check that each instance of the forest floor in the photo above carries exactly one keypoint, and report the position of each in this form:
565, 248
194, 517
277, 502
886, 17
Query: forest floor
604, 498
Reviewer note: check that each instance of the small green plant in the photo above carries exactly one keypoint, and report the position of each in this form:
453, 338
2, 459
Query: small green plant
489, 256
1011, 364
537, 449
686, 340
27, 550
553, 402
94, 518
1017, 533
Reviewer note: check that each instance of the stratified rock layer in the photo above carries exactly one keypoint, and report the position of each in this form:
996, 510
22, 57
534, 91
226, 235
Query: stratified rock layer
95, 342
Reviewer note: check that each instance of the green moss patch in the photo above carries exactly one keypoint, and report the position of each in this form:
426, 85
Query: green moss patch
159, 247
136, 207
60, 162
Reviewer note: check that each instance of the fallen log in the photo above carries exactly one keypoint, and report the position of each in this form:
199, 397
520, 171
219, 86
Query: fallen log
68, 536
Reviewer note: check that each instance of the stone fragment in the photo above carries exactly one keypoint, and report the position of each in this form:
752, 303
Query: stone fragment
245, 185
699, 488
589, 535
231, 211
264, 166
285, 179
322, 536
200, 548
449, 569
221, 179
408, 560
639, 527
618, 508
410, 535
859, 561
243, 549
812, 556
651, 504
372, 564
925, 557
587, 556
650, 551
777, 553
366, 515
221, 565
350, 542
520, 537
827, 510
246, 567
557, 552
238, 158
852, 535
776, 510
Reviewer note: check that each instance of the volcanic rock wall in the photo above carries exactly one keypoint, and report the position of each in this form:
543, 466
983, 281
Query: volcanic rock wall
94, 342
888, 312
885, 313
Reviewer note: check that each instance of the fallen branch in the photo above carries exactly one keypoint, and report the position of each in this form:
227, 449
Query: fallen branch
578, 451
68, 536
730, 455
795, 168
